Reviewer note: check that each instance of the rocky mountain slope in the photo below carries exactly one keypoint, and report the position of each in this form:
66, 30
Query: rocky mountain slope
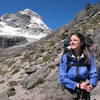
24, 24
32, 73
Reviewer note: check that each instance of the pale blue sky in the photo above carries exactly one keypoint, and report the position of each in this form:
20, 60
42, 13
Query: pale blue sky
55, 13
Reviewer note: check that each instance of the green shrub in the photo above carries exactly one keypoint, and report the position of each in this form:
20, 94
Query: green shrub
15, 71
10, 63
17, 55
51, 66
26, 56
46, 58
58, 50
39, 81
2, 81
0, 72
47, 49
42, 50
13, 83
4, 72
51, 42
11, 93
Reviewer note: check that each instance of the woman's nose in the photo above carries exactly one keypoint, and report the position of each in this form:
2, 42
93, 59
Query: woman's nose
72, 42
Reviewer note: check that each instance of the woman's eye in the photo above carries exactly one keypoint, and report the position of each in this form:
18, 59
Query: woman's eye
73, 40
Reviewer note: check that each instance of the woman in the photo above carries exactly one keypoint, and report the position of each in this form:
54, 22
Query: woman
78, 69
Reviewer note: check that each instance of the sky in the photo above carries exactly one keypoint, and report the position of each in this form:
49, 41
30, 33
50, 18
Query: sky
55, 13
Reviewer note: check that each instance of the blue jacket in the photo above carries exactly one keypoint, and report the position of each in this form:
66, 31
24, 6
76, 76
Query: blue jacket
68, 78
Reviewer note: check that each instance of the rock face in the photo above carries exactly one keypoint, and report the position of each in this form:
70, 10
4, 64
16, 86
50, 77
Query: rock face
6, 41
33, 72
89, 10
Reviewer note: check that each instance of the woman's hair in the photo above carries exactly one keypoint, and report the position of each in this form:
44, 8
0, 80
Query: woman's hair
84, 47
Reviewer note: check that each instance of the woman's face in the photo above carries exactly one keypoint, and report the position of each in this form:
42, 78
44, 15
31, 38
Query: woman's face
75, 42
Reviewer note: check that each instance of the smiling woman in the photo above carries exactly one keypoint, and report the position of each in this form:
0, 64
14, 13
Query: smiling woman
77, 70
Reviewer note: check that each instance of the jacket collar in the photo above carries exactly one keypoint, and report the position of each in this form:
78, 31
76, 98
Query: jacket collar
71, 54
82, 56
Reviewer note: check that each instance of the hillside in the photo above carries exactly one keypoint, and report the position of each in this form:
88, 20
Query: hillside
32, 73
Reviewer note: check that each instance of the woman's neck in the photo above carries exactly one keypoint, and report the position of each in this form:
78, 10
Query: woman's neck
77, 53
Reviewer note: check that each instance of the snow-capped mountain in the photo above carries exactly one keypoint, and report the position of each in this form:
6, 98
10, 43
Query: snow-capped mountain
24, 23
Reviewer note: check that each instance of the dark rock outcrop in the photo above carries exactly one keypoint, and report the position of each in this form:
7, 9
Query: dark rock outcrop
8, 41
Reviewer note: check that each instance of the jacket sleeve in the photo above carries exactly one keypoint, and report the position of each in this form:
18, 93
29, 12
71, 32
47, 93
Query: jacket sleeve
63, 75
93, 72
